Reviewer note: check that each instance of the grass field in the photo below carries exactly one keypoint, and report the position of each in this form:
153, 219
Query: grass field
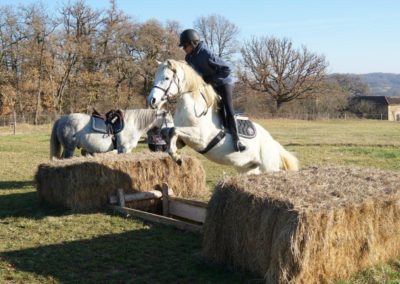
39, 244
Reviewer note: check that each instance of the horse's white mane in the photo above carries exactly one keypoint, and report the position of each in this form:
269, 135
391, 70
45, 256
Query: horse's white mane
143, 118
194, 82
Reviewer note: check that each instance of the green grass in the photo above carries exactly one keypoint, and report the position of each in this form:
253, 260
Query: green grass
39, 244
334, 132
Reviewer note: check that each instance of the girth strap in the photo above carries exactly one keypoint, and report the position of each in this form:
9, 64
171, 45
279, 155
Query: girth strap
213, 142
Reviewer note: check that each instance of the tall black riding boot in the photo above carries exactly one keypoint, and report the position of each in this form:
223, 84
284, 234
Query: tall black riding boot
237, 144
225, 91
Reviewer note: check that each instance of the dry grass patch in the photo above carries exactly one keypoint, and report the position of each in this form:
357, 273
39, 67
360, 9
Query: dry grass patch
305, 227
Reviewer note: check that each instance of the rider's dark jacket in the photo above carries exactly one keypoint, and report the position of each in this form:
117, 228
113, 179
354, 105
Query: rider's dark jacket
212, 68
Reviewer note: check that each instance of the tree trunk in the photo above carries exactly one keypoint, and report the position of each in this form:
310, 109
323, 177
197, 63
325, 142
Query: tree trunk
38, 103
60, 92
278, 105
39, 100
277, 109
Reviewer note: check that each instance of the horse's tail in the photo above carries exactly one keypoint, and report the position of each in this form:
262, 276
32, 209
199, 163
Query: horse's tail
55, 145
289, 161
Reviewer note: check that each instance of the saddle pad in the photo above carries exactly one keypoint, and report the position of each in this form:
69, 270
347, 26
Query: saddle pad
99, 125
246, 128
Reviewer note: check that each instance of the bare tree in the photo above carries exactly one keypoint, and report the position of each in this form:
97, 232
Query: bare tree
219, 34
12, 36
38, 27
152, 42
80, 25
351, 83
172, 31
86, 58
274, 67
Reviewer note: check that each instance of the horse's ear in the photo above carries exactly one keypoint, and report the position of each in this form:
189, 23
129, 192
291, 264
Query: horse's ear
158, 62
171, 65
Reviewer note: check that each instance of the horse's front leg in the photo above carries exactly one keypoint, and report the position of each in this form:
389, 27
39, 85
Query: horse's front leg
187, 134
172, 147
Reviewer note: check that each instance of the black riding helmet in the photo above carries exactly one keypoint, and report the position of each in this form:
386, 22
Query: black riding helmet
189, 36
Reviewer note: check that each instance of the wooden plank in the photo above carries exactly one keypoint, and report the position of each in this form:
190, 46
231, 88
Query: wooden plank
190, 202
187, 211
158, 219
137, 196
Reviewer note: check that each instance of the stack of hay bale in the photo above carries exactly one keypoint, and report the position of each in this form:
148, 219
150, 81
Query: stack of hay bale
305, 227
84, 183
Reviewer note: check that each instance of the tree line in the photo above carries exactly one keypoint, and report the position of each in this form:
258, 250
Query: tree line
83, 58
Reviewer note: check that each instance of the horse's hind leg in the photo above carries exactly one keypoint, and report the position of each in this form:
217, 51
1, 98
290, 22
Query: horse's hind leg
255, 171
252, 169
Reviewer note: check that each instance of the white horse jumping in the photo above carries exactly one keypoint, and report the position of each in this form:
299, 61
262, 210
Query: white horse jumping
75, 130
197, 123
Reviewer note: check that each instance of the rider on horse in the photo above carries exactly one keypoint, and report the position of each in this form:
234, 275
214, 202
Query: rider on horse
215, 72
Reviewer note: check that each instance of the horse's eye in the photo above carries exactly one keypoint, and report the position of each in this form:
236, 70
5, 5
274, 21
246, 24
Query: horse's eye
166, 78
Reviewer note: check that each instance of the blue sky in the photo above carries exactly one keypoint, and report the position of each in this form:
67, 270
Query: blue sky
356, 36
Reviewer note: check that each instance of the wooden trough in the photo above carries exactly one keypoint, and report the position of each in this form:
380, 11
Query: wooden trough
181, 213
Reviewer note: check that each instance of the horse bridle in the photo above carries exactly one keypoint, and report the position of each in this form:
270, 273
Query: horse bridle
167, 95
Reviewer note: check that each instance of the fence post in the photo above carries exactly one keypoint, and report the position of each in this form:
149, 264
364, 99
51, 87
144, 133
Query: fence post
165, 201
14, 121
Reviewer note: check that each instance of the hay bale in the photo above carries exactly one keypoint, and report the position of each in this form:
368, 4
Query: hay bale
305, 227
84, 183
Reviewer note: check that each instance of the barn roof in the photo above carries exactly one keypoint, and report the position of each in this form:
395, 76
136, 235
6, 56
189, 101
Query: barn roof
393, 100
381, 100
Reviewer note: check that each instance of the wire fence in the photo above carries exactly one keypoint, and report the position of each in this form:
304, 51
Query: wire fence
321, 116
13, 120
28, 118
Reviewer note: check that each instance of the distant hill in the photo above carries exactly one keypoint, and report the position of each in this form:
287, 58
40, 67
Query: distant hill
382, 84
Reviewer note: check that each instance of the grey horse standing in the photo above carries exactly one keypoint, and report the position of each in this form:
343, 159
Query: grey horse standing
75, 131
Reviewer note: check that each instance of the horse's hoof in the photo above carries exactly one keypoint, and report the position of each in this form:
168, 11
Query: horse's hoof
179, 162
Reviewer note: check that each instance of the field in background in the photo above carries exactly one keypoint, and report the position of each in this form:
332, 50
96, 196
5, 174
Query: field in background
363, 143
45, 245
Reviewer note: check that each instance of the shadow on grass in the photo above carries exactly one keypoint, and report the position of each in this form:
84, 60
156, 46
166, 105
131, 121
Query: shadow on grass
15, 184
26, 205
159, 254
